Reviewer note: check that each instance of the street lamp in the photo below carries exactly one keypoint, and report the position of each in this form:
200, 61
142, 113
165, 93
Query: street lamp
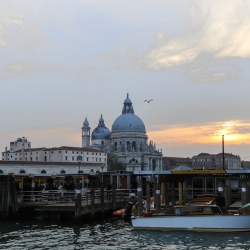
79, 159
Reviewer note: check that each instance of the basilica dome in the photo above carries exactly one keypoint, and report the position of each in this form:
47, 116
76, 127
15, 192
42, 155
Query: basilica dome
100, 132
128, 120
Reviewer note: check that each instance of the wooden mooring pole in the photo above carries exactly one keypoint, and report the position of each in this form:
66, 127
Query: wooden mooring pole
166, 195
173, 194
114, 196
92, 199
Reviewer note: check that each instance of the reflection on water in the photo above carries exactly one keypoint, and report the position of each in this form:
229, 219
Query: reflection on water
110, 234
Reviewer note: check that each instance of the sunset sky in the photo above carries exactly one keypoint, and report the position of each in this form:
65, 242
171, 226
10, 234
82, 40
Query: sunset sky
61, 61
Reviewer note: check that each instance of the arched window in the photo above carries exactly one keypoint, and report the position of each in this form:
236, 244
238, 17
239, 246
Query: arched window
80, 172
22, 171
133, 160
63, 172
1, 171
115, 146
43, 172
134, 145
45, 158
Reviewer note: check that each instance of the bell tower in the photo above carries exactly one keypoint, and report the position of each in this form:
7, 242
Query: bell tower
85, 134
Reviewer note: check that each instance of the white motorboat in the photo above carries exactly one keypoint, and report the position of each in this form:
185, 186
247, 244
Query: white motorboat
194, 216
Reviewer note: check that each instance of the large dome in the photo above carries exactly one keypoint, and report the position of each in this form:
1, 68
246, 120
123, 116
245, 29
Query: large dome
100, 132
127, 122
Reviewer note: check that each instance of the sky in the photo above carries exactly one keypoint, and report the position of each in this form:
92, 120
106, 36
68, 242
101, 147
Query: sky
62, 61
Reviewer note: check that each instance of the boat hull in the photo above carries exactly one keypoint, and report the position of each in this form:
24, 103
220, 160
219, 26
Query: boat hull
206, 223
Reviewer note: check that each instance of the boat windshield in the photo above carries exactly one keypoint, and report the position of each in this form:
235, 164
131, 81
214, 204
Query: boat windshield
199, 210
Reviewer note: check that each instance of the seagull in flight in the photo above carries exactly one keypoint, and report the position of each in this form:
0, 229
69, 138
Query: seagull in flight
148, 101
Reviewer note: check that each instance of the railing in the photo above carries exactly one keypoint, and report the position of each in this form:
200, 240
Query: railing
67, 197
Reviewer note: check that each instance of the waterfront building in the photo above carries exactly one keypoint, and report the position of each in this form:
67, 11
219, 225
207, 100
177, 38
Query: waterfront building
215, 161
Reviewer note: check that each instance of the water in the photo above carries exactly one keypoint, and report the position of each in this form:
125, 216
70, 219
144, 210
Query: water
110, 234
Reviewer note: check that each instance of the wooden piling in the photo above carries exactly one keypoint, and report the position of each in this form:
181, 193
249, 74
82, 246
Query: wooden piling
148, 196
114, 196
166, 195
92, 200
180, 193
173, 194
162, 193
78, 205
139, 197
4, 205
102, 197
184, 193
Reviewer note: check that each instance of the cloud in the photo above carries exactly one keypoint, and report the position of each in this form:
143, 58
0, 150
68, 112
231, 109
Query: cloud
214, 29
235, 132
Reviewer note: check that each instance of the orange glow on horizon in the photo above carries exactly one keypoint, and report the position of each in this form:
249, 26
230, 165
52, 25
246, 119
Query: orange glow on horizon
235, 132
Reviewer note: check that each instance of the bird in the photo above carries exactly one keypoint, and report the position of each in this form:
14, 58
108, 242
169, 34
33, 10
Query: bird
148, 101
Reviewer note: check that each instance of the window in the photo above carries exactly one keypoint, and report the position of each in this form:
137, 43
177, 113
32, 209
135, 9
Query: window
102, 142
59, 152
28, 145
45, 158
22, 172
63, 172
72, 152
51, 152
36, 152
66, 151
1, 171
66, 158
30, 158
25, 158
87, 153
81, 153
104, 159
92, 153
77, 152
95, 159
73, 158
15, 159
43, 171
96, 153
11, 156
37, 158
87, 159
100, 159
100, 154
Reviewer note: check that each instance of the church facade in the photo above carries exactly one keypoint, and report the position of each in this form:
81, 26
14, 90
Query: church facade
127, 141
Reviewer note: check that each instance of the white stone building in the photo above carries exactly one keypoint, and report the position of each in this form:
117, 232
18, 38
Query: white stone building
127, 141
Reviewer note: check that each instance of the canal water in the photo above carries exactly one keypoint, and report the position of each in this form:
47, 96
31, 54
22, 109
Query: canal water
109, 234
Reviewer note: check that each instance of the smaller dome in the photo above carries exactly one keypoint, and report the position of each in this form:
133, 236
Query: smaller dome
101, 132
86, 123
19, 139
